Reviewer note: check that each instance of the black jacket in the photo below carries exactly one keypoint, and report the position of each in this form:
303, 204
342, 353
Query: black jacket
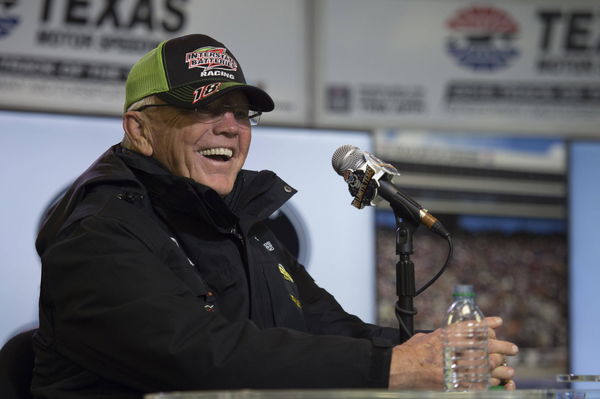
152, 282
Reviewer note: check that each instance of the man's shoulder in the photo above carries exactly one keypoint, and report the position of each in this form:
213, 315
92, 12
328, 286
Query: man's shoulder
108, 188
103, 188
111, 201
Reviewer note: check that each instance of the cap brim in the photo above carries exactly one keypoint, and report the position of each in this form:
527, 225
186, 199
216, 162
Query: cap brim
187, 96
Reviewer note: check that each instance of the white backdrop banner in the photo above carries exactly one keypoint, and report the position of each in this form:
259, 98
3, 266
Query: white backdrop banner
529, 66
74, 55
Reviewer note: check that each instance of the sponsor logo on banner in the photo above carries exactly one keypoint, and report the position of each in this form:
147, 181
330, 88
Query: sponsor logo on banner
565, 43
8, 20
514, 94
482, 38
338, 98
569, 41
73, 30
107, 25
376, 99
75, 55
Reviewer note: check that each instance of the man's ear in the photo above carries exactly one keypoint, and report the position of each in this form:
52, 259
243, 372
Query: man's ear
137, 133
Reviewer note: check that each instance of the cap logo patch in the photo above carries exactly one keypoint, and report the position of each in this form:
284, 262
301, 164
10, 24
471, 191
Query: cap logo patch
210, 58
205, 91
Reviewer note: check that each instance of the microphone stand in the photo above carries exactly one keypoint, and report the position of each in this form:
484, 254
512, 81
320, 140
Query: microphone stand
405, 275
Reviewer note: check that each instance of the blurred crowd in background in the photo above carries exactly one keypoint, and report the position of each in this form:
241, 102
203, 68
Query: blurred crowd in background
521, 277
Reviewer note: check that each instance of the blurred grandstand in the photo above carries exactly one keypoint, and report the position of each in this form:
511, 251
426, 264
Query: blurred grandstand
503, 201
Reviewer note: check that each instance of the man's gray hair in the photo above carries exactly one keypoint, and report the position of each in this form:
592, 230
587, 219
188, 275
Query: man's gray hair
144, 101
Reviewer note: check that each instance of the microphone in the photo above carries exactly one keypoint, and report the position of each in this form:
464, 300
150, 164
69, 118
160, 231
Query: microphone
368, 177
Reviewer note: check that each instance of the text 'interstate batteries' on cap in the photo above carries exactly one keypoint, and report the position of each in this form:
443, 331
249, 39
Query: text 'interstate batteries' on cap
190, 71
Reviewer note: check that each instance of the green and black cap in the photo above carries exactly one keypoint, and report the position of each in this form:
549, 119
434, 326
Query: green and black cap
190, 71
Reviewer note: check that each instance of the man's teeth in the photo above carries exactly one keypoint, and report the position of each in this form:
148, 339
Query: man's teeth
226, 152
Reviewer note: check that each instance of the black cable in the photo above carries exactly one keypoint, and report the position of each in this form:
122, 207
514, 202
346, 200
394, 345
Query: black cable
439, 273
399, 310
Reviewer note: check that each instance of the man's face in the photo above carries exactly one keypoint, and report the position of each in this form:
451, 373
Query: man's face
211, 153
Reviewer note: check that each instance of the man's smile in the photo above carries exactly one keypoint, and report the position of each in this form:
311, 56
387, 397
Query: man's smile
217, 153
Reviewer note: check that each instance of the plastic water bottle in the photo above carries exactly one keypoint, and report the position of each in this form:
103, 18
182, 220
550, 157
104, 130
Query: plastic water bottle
465, 340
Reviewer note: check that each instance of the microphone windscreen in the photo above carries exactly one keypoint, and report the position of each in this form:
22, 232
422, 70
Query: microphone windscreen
347, 157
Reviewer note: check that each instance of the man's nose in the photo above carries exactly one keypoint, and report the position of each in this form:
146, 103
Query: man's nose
228, 123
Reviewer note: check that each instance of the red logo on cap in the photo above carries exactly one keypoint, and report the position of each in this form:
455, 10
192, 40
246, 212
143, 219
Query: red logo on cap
205, 91
211, 58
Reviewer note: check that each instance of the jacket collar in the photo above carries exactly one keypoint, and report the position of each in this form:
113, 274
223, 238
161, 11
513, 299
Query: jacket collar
255, 196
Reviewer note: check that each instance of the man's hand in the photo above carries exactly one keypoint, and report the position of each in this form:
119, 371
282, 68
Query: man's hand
418, 362
500, 372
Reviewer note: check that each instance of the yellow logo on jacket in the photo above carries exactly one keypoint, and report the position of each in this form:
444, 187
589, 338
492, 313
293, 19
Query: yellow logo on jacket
285, 274
296, 301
